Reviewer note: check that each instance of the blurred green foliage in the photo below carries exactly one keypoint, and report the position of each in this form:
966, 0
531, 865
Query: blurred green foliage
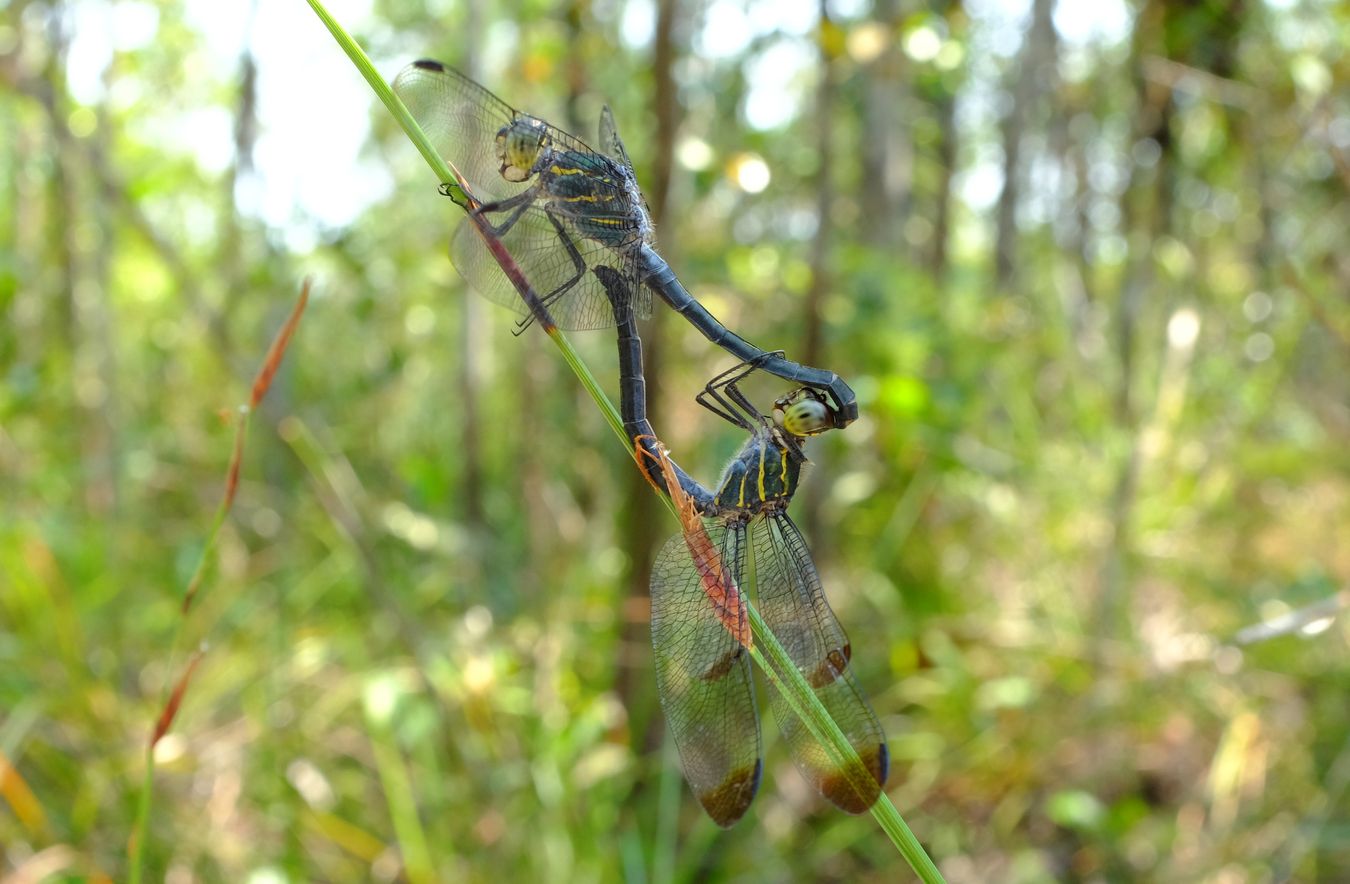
1083, 469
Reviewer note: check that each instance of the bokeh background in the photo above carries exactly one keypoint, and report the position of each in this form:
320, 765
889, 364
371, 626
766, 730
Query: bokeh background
1084, 263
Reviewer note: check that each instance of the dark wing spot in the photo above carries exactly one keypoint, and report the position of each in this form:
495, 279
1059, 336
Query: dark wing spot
722, 666
831, 668
728, 802
852, 797
428, 64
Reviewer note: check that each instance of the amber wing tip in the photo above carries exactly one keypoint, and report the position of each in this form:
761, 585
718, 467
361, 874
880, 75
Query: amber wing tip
843, 794
727, 803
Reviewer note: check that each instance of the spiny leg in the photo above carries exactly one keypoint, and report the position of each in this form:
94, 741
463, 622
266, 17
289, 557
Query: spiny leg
578, 265
517, 205
723, 397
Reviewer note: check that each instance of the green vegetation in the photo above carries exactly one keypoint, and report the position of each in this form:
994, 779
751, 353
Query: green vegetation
1104, 435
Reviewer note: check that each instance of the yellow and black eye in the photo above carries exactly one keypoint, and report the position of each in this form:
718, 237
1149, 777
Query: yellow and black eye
518, 147
806, 417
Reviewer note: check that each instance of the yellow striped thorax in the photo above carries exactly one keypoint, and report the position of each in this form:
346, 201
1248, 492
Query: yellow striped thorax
597, 193
764, 474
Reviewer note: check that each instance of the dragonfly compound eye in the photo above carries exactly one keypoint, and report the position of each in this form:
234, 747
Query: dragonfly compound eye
806, 417
518, 147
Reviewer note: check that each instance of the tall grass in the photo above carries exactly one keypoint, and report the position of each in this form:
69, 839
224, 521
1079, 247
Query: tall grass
262, 382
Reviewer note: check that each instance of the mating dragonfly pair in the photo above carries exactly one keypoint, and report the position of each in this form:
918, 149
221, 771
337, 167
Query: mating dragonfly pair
572, 229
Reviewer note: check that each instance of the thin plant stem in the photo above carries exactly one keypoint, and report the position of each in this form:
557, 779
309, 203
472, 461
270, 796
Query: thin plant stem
262, 382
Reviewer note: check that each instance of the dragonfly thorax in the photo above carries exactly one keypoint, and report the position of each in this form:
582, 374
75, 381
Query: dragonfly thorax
519, 144
763, 475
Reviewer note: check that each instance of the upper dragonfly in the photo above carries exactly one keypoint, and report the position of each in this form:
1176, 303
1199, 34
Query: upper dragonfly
560, 208
733, 537
555, 204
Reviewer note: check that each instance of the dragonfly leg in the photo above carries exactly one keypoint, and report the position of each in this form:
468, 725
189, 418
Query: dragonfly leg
712, 399
723, 397
733, 392
516, 205
578, 264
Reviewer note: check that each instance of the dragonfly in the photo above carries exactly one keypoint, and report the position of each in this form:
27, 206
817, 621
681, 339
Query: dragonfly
734, 536
562, 208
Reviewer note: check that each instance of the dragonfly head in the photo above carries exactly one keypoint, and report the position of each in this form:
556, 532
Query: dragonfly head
519, 144
805, 412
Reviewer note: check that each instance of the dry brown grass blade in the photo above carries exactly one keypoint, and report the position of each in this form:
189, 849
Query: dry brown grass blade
167, 716
262, 382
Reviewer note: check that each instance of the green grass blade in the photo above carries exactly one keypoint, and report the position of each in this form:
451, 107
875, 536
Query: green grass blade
399, 792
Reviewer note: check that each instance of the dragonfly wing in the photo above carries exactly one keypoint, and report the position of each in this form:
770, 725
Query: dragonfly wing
555, 257
610, 142
794, 608
703, 677
462, 120
640, 297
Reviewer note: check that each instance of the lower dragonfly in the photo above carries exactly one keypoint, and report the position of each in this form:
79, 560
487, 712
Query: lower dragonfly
560, 208
734, 536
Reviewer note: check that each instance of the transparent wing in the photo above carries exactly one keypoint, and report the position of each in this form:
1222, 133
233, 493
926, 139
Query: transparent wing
462, 120
703, 677
554, 256
610, 142
795, 610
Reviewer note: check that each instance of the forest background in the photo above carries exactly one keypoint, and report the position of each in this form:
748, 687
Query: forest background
1084, 264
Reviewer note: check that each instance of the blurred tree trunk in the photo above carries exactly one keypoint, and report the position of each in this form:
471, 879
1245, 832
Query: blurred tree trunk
644, 524
1035, 76
470, 375
943, 100
59, 255
74, 237
240, 265
99, 318
1266, 254
1074, 150
1204, 38
829, 40
15, 227
938, 252
887, 154
574, 69
229, 253
1144, 216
